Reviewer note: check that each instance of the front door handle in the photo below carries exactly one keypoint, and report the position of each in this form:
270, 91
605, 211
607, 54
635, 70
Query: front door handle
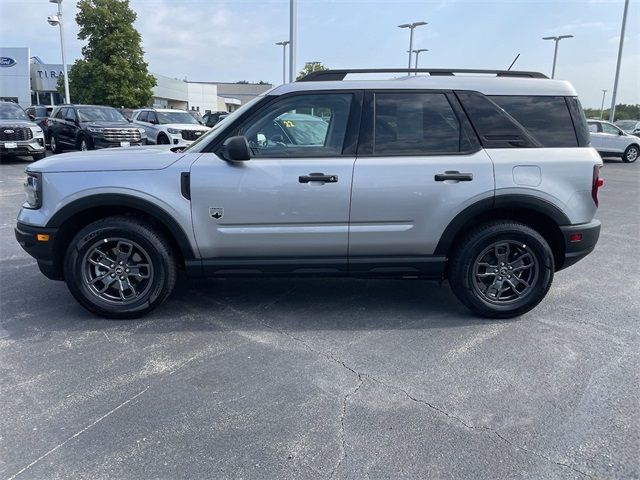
317, 177
453, 175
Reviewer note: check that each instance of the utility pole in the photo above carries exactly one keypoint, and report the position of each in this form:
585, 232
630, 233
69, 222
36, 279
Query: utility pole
612, 112
292, 39
604, 92
284, 59
555, 51
411, 26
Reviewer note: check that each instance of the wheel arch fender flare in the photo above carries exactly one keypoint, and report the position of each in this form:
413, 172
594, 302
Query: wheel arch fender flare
498, 204
123, 200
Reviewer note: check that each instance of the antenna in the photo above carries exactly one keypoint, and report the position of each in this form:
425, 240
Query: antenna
514, 61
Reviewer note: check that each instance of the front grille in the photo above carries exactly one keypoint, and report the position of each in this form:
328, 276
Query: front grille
15, 134
121, 135
191, 134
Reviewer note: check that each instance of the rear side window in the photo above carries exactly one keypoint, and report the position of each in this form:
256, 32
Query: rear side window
58, 114
142, 116
408, 123
547, 119
495, 128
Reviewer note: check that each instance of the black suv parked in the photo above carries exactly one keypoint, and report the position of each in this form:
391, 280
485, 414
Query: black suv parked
40, 114
211, 118
85, 127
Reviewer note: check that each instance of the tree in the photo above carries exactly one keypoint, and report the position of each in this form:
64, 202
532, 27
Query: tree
112, 70
623, 112
311, 67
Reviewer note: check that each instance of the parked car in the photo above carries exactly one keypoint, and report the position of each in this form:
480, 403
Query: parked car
212, 118
632, 127
18, 134
485, 180
169, 127
126, 112
196, 114
611, 141
87, 127
40, 115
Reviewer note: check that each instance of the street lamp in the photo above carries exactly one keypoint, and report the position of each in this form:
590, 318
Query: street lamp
417, 52
604, 92
555, 52
284, 59
53, 21
411, 26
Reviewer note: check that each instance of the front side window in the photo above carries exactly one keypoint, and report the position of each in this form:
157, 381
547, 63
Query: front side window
143, 116
416, 124
608, 128
547, 119
301, 126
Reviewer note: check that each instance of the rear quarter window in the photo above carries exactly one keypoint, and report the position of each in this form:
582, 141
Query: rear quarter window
547, 119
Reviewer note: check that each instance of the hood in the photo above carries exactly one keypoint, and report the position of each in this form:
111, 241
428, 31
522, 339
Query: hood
186, 126
6, 122
151, 157
110, 124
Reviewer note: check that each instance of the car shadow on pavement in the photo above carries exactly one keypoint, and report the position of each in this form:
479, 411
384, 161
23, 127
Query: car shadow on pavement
310, 304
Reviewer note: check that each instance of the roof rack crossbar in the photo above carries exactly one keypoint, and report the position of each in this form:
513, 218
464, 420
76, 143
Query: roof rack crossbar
329, 75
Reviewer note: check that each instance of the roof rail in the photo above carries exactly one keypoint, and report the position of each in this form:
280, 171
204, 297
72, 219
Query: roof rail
329, 75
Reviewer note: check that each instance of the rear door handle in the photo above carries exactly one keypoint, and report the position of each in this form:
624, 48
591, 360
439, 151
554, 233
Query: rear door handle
453, 175
318, 177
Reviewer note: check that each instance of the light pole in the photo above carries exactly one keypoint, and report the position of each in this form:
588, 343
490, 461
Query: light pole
555, 51
292, 39
411, 26
417, 52
612, 111
53, 21
604, 92
284, 59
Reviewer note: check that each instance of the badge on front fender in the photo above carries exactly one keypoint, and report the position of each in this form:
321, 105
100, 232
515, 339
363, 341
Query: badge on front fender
216, 212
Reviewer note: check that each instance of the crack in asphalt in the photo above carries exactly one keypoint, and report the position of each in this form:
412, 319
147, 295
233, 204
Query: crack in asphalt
362, 375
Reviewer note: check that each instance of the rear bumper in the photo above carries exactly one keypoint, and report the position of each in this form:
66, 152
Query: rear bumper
579, 241
42, 251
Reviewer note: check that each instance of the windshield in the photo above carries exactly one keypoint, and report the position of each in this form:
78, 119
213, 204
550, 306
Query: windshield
9, 111
100, 114
626, 124
176, 117
200, 144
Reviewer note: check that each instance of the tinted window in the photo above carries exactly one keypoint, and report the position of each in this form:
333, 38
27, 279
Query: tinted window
100, 114
142, 116
547, 119
579, 121
495, 128
416, 124
58, 114
301, 126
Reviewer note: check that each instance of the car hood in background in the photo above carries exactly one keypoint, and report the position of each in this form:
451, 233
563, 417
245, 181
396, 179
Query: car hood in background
186, 126
10, 122
152, 157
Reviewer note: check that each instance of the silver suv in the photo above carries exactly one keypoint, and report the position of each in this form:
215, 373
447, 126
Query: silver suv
483, 178
18, 134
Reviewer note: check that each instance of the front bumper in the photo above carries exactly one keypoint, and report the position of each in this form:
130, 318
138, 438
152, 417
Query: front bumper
24, 147
579, 241
101, 142
42, 251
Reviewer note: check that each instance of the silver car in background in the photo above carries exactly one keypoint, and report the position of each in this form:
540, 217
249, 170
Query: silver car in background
611, 141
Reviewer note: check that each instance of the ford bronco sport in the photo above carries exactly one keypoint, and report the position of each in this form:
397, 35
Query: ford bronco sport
484, 178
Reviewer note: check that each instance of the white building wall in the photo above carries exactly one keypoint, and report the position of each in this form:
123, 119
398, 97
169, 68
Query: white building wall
170, 92
14, 75
202, 97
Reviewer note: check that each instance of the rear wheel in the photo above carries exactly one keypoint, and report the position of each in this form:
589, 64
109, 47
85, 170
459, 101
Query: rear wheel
501, 269
630, 155
120, 267
54, 144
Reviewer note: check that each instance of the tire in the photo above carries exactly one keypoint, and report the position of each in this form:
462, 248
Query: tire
55, 144
162, 139
85, 143
631, 154
496, 282
38, 156
130, 289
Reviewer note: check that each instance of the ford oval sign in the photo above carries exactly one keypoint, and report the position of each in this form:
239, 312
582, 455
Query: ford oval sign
7, 62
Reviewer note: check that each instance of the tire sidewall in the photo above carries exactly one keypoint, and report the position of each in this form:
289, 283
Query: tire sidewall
535, 245
626, 153
54, 144
86, 238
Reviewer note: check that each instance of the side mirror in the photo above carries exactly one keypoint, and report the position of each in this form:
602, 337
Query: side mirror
32, 117
236, 149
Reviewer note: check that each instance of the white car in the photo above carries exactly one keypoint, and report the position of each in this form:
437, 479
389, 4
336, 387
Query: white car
611, 141
169, 127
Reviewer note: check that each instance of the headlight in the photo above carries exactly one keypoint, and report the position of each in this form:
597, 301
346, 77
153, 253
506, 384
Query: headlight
95, 129
142, 131
33, 190
173, 131
37, 131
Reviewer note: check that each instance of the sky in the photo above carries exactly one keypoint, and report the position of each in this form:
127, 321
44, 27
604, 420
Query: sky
232, 40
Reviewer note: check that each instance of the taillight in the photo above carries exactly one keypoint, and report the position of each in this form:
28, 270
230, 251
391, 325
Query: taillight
597, 183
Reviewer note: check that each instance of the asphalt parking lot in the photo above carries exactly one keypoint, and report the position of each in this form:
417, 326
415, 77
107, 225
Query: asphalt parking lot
326, 378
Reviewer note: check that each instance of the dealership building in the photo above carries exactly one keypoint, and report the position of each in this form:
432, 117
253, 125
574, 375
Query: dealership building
27, 80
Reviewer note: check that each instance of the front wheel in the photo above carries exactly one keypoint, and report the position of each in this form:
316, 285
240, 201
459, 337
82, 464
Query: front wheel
501, 269
630, 155
120, 267
54, 144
